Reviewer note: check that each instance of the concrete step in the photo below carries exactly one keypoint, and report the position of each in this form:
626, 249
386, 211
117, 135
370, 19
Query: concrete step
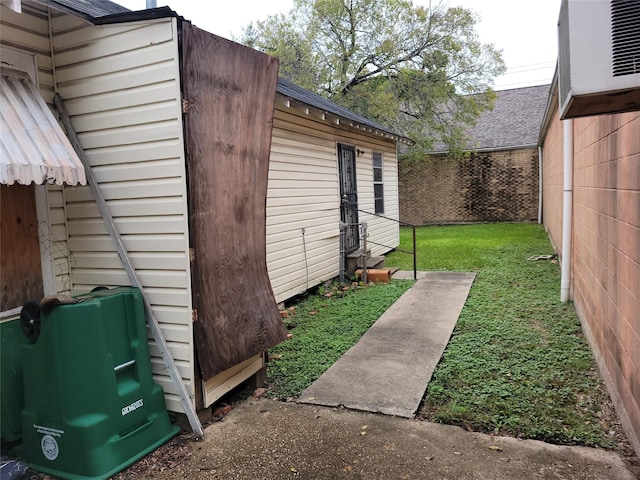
358, 253
376, 262
355, 261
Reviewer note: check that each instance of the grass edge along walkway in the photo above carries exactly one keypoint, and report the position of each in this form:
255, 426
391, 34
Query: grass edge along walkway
324, 326
517, 363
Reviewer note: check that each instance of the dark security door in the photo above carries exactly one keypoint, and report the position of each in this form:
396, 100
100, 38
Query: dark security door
348, 195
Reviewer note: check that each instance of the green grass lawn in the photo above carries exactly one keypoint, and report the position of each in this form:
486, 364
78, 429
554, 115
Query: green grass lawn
466, 248
517, 362
324, 326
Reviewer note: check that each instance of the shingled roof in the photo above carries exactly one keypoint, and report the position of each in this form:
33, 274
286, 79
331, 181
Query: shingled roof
105, 11
514, 121
88, 9
290, 90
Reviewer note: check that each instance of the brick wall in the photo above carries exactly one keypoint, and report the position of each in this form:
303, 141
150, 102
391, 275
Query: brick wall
485, 187
605, 261
553, 182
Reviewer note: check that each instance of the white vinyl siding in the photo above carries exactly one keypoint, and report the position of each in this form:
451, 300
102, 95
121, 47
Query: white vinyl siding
121, 86
29, 32
384, 235
303, 193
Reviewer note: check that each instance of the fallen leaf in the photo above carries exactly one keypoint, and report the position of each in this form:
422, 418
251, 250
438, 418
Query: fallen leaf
457, 453
348, 468
275, 356
328, 294
292, 309
289, 335
364, 427
313, 312
496, 448
220, 411
258, 392
293, 470
363, 433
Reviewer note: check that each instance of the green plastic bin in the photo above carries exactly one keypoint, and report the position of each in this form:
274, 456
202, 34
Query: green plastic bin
12, 397
91, 407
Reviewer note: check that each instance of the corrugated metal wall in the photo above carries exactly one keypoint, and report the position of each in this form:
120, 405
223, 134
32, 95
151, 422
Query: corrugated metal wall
121, 87
303, 193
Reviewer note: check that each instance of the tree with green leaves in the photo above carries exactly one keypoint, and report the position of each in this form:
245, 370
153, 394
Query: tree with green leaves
419, 70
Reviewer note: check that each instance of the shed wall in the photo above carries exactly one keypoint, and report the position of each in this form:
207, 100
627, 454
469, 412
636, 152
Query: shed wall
29, 32
121, 86
303, 193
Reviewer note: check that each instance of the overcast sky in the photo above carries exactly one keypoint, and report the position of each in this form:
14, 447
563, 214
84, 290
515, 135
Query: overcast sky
525, 30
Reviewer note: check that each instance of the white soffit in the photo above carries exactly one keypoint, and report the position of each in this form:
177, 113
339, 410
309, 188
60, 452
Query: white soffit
33, 146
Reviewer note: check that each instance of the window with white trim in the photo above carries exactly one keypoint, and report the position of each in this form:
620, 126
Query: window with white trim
378, 187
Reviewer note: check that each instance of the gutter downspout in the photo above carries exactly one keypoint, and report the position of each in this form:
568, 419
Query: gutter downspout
567, 209
539, 183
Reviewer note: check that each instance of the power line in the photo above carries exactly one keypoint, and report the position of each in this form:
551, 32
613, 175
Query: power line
532, 83
550, 63
510, 71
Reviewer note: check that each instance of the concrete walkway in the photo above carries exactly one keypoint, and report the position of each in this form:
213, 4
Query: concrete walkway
389, 369
264, 439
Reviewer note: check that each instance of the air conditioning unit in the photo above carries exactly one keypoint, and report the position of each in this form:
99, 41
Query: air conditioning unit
598, 57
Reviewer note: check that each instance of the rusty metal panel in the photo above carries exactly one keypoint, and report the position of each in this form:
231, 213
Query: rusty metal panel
230, 93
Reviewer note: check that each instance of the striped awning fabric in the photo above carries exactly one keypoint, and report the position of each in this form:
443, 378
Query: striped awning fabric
33, 146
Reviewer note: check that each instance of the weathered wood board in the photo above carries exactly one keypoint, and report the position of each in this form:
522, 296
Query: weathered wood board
20, 268
230, 92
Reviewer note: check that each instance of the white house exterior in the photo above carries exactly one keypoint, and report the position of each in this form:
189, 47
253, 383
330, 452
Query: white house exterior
121, 87
303, 198
119, 74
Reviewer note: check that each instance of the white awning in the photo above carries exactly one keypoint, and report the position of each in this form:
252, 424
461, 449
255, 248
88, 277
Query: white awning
33, 146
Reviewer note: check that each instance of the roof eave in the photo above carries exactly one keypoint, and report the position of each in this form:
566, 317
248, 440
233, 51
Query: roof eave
551, 107
488, 149
136, 16
288, 101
